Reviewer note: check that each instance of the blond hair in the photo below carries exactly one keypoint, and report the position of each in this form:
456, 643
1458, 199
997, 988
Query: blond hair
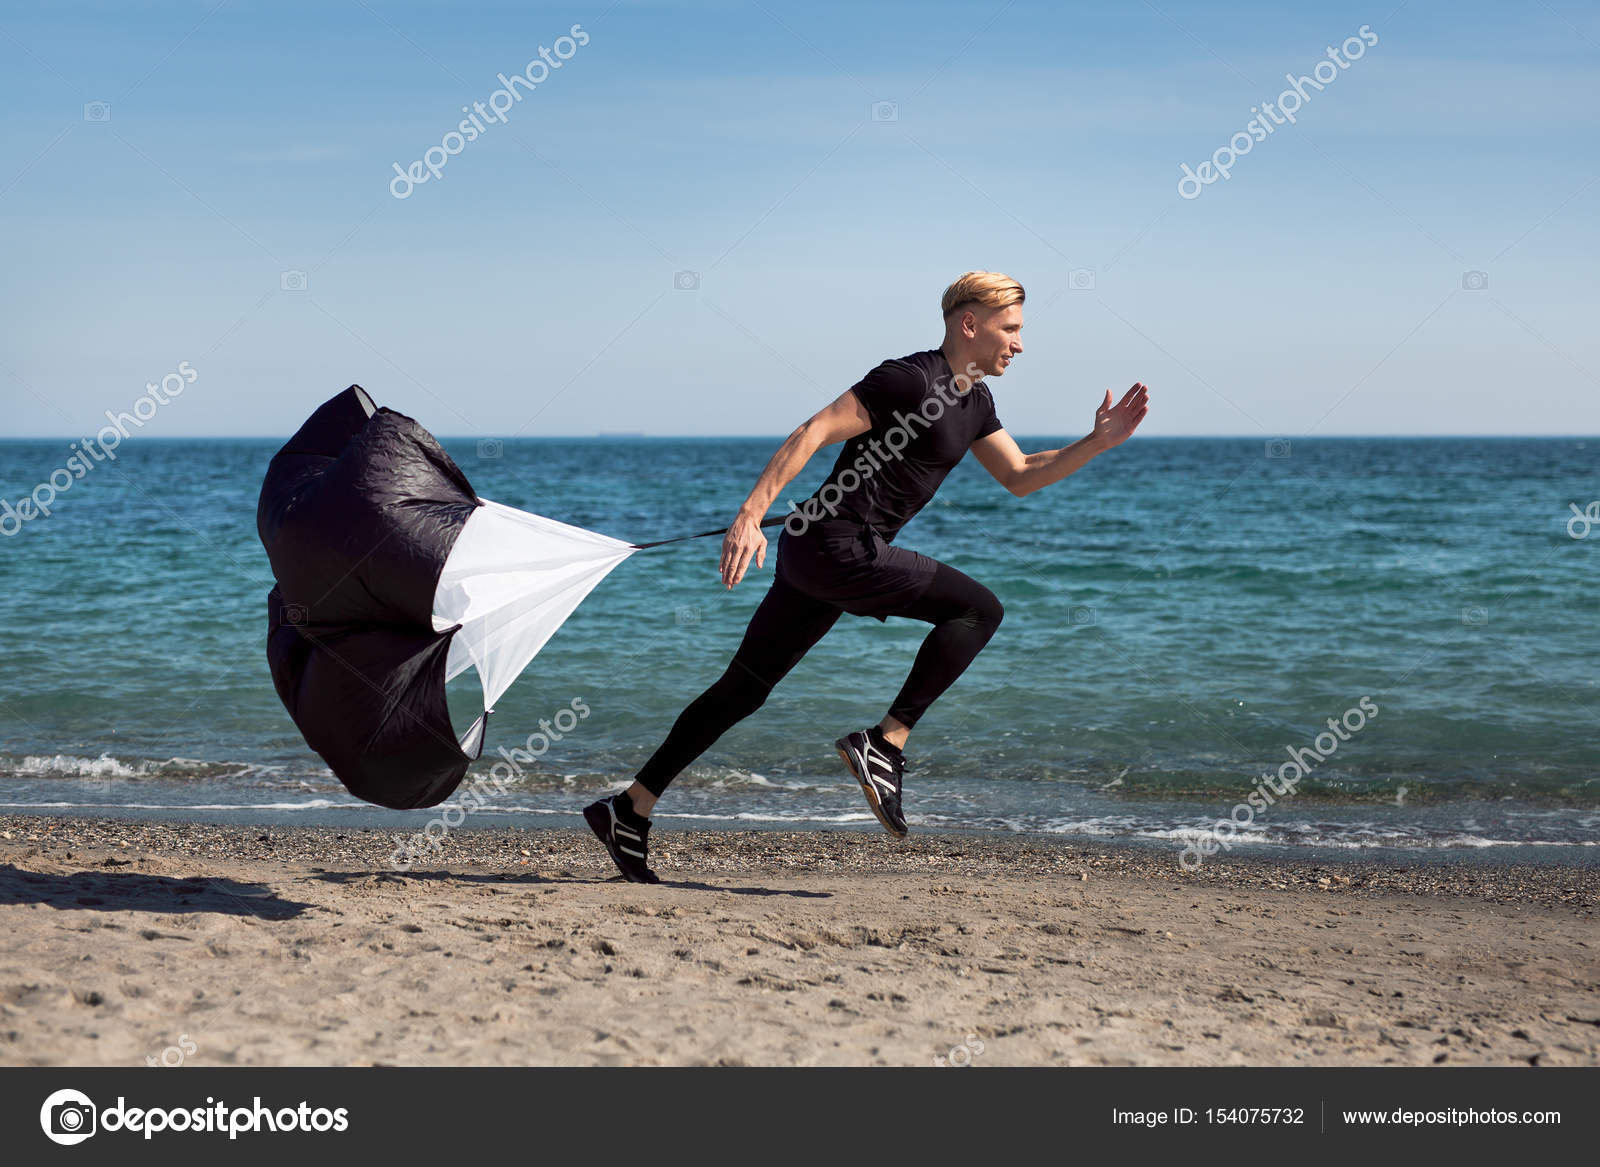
987, 288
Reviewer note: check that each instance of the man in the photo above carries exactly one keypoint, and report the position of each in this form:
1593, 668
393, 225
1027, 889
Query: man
905, 425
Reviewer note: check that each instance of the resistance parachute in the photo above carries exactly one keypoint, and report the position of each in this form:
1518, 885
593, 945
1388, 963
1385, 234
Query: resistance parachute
393, 577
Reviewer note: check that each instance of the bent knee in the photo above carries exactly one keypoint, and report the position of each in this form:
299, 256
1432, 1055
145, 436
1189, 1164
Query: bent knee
986, 612
993, 612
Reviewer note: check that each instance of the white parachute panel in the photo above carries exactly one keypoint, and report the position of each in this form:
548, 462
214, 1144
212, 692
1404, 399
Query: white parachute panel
510, 581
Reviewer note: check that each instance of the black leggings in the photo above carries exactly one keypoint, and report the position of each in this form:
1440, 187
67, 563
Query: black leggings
784, 628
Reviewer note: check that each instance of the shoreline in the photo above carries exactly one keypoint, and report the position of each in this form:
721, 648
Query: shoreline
360, 820
300, 946
679, 853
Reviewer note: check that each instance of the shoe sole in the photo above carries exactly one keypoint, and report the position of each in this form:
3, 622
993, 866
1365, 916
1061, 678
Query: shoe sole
866, 788
600, 822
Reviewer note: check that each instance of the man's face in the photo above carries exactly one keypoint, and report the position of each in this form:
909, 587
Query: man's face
998, 337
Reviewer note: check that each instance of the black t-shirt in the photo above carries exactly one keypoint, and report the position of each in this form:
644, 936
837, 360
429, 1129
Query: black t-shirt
922, 425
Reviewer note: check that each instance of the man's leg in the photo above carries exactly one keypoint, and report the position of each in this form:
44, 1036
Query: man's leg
964, 615
786, 625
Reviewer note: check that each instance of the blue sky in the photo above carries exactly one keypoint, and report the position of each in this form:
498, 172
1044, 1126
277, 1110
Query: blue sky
531, 288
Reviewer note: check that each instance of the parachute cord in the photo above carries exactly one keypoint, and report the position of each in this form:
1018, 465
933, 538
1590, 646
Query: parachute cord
769, 521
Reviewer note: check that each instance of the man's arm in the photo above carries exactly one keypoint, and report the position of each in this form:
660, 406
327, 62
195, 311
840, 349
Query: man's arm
844, 418
1025, 473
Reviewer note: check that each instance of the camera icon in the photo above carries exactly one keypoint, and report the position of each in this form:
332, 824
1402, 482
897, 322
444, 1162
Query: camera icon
885, 111
491, 448
686, 281
687, 614
292, 281
1080, 615
1474, 281
294, 615
72, 1118
67, 1117
1080, 279
1277, 447
97, 111
1474, 615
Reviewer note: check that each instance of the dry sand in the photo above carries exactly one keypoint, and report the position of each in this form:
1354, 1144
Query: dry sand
275, 946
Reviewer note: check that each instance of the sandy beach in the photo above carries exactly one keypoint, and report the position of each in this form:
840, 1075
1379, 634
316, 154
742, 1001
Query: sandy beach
219, 945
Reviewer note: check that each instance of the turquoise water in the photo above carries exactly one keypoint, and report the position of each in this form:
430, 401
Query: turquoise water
1180, 614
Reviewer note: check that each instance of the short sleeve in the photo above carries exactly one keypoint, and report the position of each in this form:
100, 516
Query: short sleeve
991, 422
892, 387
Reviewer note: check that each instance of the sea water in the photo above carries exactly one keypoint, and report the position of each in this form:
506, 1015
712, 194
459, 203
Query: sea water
1184, 617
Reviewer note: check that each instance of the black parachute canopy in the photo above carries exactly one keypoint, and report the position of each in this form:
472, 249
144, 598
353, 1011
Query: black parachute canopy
393, 577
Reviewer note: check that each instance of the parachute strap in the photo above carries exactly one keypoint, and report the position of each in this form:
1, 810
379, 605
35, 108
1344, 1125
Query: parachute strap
769, 521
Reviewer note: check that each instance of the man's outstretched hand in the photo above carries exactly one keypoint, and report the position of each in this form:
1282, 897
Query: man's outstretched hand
743, 542
1114, 424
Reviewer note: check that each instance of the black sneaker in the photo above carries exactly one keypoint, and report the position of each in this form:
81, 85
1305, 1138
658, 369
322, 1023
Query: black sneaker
878, 767
625, 835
